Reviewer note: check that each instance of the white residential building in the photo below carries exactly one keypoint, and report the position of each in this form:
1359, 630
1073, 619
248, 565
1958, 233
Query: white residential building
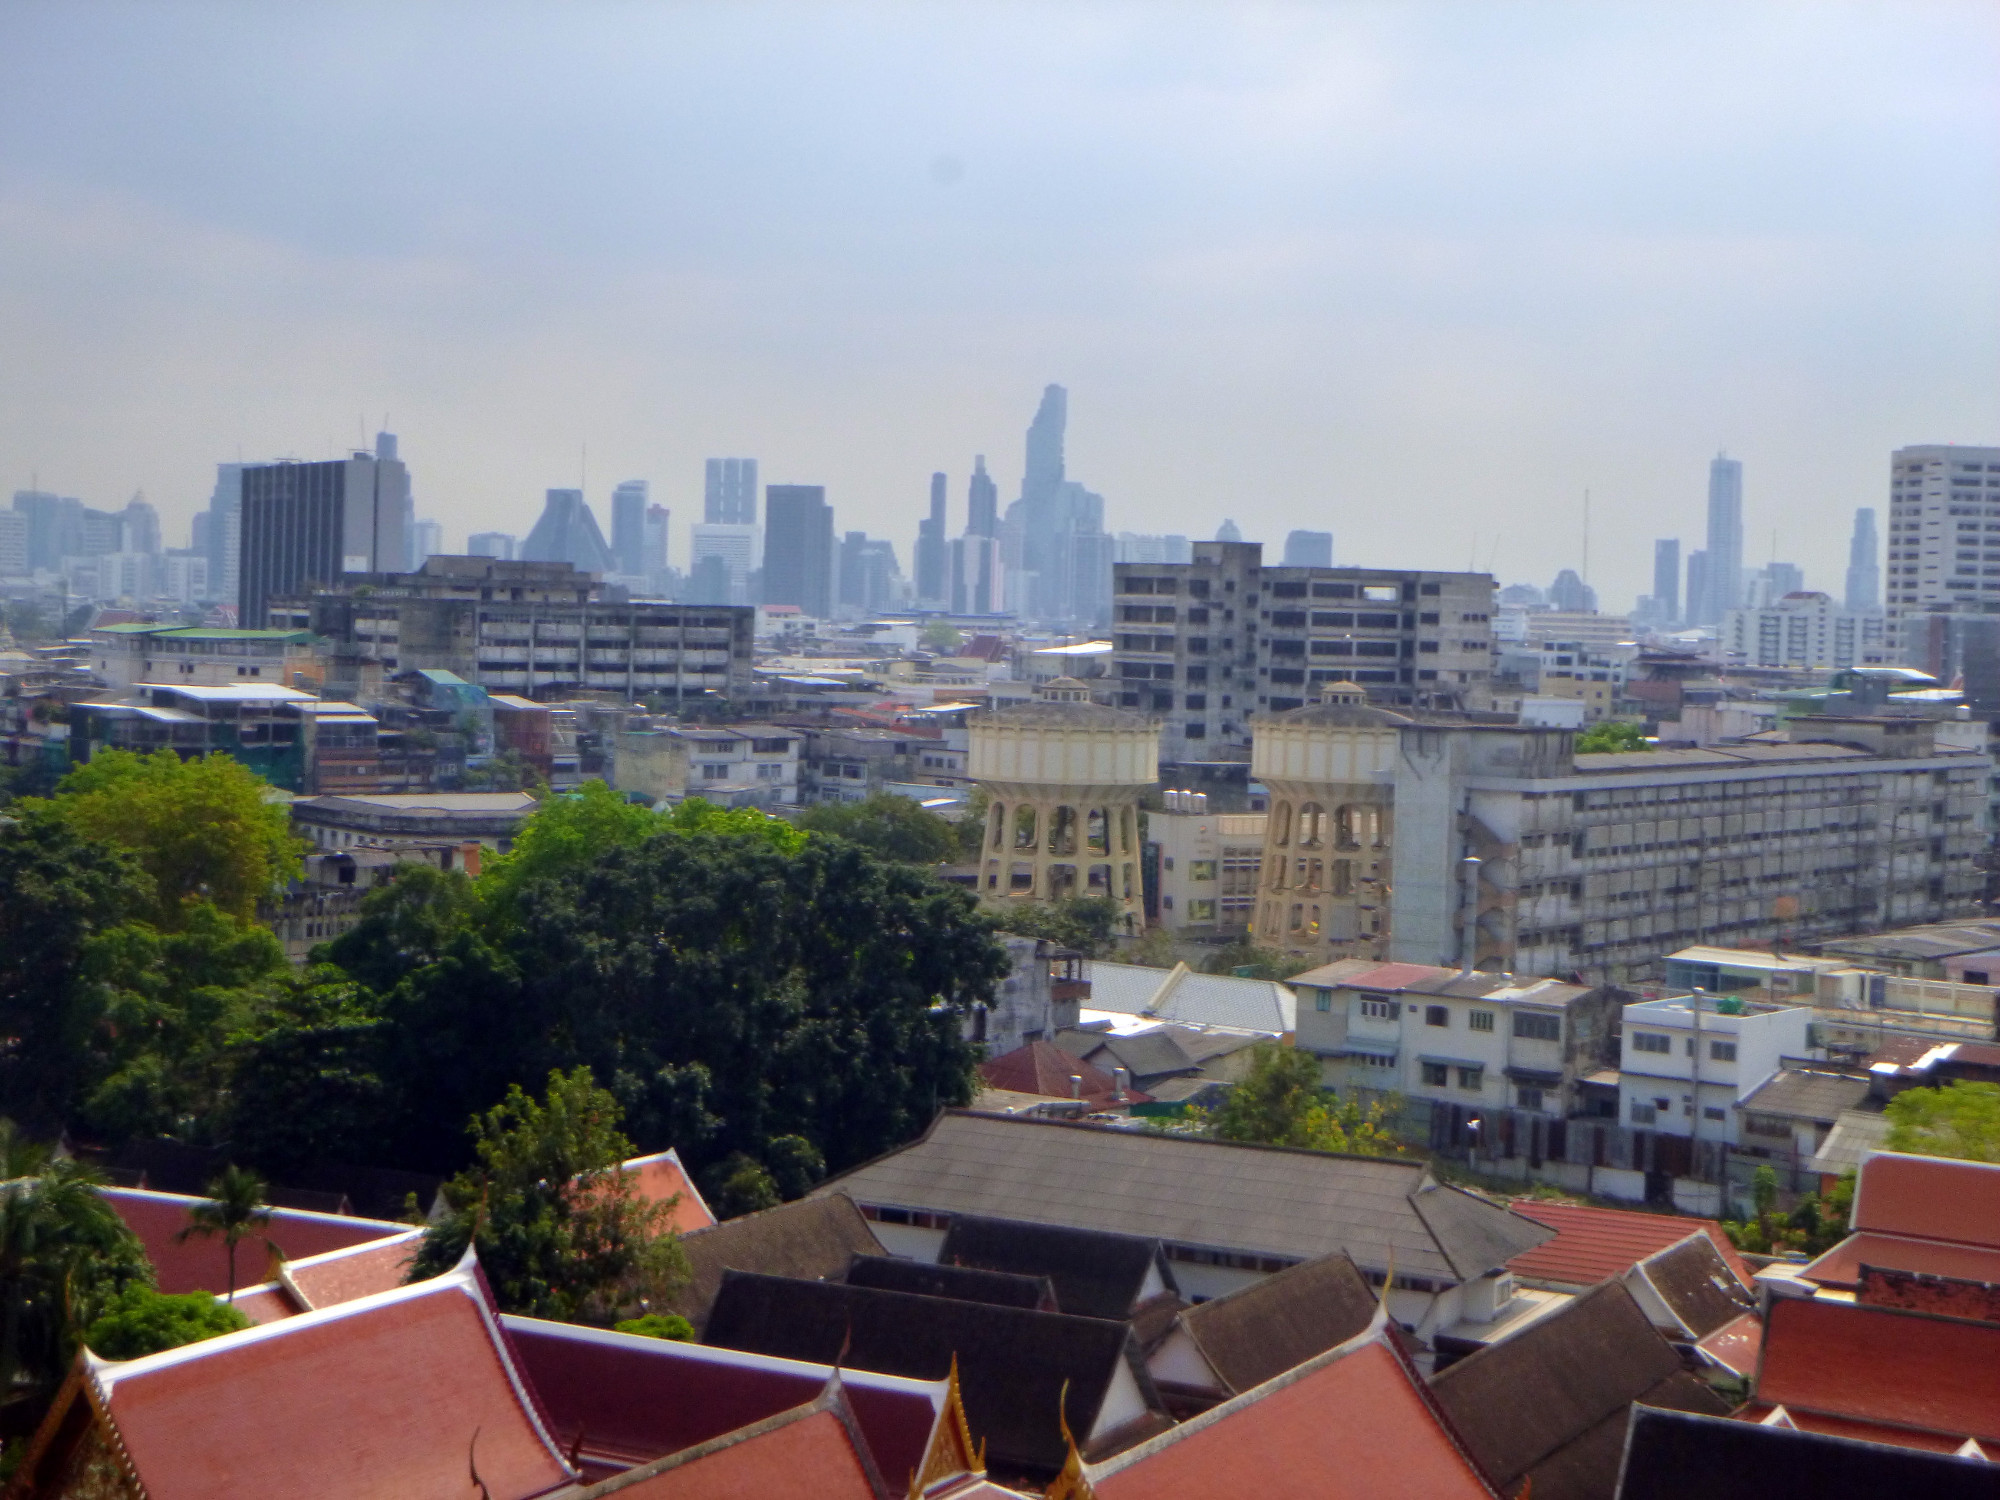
1805, 630
1687, 1061
1208, 866
1944, 532
746, 765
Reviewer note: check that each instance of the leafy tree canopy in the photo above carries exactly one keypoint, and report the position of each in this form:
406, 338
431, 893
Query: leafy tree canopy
1085, 923
140, 1321
1961, 1119
891, 826
1280, 1102
1253, 962
560, 1231
1612, 737
942, 637
659, 1326
204, 830
1815, 1226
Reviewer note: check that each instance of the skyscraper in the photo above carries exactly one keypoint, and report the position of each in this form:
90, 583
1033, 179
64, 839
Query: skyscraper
426, 540
222, 537
798, 548
1940, 496
628, 528
1667, 580
500, 544
1725, 541
729, 497
932, 584
654, 555
1697, 585
141, 526
867, 573
1309, 549
1864, 570
567, 531
982, 501
1056, 554
311, 522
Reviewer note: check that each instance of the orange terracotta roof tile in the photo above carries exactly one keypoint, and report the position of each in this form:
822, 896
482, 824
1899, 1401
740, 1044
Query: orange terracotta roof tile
268, 1303
358, 1271
378, 1397
662, 1177
1841, 1266
1906, 1371
1734, 1345
201, 1263
1929, 1197
1044, 1068
811, 1452
1354, 1424
1592, 1244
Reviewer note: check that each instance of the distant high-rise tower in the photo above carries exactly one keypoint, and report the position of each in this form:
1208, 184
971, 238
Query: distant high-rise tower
654, 554
982, 501
1309, 549
1864, 569
1570, 592
1229, 531
1724, 589
798, 548
1935, 488
222, 538
932, 584
628, 528
567, 531
1697, 585
1667, 580
310, 523
730, 496
500, 544
426, 540
142, 526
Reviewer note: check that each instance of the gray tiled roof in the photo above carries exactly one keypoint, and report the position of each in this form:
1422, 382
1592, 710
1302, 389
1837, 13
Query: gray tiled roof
1199, 999
1248, 1200
1805, 1095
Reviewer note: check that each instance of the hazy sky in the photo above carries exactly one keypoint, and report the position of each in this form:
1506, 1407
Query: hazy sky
1418, 274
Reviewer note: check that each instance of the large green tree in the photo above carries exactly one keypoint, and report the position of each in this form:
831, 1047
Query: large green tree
1960, 1119
1280, 1102
205, 830
891, 826
560, 1231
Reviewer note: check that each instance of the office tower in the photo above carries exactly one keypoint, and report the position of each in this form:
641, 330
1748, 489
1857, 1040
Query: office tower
798, 548
654, 553
141, 526
1056, 556
1570, 592
43, 515
1772, 582
13, 544
628, 528
1697, 586
1941, 497
729, 497
308, 523
931, 563
978, 577
1229, 531
1133, 546
721, 560
1724, 571
1309, 549
498, 544
426, 540
1864, 569
982, 501
222, 536
1185, 648
567, 531
1667, 581
868, 573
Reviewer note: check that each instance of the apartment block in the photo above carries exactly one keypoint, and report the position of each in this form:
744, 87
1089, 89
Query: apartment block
205, 656
747, 765
542, 630
1208, 864
1687, 1061
1944, 532
1204, 645
1805, 631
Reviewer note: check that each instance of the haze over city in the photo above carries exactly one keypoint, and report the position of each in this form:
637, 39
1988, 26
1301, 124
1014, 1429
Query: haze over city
1419, 276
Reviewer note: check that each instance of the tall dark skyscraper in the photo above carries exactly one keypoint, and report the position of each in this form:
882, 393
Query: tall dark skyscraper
1725, 542
798, 548
628, 528
932, 584
982, 502
310, 523
867, 572
1667, 580
729, 496
1864, 569
1309, 549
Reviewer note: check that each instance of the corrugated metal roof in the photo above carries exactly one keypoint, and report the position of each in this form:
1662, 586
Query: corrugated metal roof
1251, 1200
1806, 1095
1199, 999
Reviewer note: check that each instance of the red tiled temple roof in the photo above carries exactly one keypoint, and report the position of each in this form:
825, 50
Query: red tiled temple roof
1593, 1244
1904, 1372
661, 1177
1044, 1068
201, 1263
1929, 1197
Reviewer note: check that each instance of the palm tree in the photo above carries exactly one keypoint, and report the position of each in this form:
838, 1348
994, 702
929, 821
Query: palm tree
235, 1210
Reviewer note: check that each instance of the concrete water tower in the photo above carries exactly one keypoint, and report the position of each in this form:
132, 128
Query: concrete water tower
1065, 776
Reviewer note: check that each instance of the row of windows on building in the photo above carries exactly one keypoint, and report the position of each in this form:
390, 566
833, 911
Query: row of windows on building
1653, 1041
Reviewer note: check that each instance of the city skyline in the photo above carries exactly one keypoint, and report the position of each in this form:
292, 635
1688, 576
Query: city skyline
1271, 256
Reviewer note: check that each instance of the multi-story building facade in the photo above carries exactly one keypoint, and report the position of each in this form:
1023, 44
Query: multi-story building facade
744, 765
314, 523
126, 655
1206, 644
799, 561
1944, 533
542, 630
1687, 1061
1805, 630
1208, 865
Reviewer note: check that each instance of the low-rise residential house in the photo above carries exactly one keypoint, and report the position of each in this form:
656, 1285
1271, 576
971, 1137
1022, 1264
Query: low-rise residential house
1226, 1214
744, 765
1045, 1070
1484, 1061
1208, 865
1042, 992
1783, 1123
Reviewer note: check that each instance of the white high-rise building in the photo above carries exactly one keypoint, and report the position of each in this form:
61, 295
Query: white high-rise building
736, 547
1804, 630
1944, 533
